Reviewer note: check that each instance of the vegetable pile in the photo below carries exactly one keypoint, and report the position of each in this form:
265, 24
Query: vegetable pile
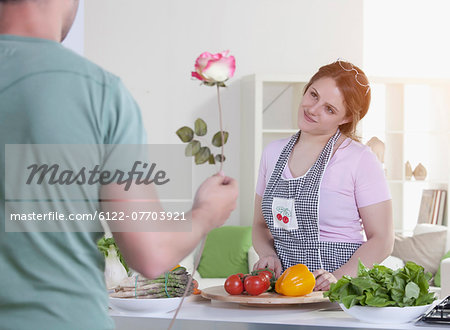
169, 285
259, 281
382, 286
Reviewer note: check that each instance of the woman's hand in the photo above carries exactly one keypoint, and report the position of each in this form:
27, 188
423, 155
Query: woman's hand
323, 280
271, 262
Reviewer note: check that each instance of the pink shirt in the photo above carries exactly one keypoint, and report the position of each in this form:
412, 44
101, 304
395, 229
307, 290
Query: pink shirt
354, 178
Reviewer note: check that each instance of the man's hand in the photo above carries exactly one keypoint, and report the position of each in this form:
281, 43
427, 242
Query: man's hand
215, 200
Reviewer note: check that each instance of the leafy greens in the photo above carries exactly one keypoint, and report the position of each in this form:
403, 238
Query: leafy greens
103, 245
382, 286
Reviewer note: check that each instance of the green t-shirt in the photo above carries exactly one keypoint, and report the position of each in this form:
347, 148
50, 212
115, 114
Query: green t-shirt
50, 95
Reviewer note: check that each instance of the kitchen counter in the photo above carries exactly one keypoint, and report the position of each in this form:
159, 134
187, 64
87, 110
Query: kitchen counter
199, 313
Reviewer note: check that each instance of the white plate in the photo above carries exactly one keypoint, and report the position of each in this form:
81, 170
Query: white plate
385, 315
159, 305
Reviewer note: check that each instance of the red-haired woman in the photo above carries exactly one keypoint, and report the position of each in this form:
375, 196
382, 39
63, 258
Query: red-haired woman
320, 189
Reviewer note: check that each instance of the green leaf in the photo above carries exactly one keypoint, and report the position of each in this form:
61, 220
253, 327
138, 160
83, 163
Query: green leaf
377, 301
349, 301
425, 299
219, 158
185, 134
398, 283
200, 127
217, 139
280, 209
412, 290
202, 156
211, 159
361, 268
192, 148
364, 283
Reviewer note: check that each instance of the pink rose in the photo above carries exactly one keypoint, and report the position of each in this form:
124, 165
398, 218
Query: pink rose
214, 68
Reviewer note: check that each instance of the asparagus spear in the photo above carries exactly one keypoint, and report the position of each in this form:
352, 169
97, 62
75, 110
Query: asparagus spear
172, 283
157, 291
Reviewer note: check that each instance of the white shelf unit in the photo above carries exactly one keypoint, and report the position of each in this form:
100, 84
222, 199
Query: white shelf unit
411, 116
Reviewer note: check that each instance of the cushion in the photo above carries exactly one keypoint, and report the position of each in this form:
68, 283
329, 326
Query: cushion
437, 278
226, 251
188, 261
253, 258
393, 263
424, 249
422, 228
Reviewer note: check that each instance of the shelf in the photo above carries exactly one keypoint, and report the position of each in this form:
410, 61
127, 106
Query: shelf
407, 132
280, 131
281, 78
408, 81
417, 181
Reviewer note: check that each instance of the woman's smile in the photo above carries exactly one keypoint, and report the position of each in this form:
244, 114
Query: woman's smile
308, 118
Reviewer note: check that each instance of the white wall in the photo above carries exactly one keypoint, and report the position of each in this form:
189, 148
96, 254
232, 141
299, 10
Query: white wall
407, 38
75, 38
152, 45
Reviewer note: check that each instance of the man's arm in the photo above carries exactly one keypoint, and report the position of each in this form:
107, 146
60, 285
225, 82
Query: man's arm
152, 253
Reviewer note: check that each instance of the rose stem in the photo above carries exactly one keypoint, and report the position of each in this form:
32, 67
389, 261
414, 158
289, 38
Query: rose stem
221, 129
188, 285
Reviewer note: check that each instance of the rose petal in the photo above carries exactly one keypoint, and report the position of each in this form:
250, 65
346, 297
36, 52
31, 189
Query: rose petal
217, 71
202, 60
232, 66
196, 75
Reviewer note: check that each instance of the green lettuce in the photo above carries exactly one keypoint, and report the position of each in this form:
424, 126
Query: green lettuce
382, 287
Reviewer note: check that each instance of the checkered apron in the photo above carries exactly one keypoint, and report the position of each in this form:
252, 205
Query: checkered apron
291, 211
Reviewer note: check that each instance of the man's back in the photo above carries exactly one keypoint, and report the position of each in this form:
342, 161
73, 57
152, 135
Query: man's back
50, 95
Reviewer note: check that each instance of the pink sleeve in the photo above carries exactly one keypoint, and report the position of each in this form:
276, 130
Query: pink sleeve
267, 164
261, 183
370, 182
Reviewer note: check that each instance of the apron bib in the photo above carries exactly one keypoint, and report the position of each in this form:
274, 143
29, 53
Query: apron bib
291, 211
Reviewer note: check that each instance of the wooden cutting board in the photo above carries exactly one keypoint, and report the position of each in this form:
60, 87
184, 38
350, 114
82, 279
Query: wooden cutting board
267, 298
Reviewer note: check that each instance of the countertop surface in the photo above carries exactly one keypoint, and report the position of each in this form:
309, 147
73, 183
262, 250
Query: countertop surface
200, 313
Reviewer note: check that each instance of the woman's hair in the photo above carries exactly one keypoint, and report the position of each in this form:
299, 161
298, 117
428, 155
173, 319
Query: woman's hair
354, 86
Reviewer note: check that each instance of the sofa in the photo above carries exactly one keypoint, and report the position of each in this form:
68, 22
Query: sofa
228, 250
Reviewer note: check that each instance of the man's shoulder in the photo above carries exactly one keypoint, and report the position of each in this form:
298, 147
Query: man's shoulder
78, 64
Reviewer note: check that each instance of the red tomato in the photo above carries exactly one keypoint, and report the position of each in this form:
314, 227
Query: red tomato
241, 276
267, 273
264, 278
233, 285
255, 285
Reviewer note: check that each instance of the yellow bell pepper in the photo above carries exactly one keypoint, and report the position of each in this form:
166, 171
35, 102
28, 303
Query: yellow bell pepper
295, 281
